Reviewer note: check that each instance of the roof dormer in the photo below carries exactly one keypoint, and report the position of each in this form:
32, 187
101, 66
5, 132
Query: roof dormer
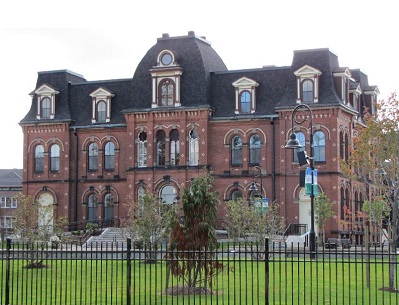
166, 81
307, 84
45, 102
245, 95
101, 105
342, 80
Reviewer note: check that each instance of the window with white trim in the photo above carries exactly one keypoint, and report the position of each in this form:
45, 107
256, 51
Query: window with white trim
39, 159
307, 84
174, 147
9, 203
55, 158
245, 95
101, 105
193, 154
6, 222
46, 97
142, 149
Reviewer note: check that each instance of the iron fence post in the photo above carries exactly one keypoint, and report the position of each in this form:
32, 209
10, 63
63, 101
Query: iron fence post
8, 255
128, 272
266, 271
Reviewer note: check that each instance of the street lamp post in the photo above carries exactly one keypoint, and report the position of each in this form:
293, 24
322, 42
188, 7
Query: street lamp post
293, 143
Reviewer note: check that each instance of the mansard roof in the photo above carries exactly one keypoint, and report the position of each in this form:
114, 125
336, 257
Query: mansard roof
205, 81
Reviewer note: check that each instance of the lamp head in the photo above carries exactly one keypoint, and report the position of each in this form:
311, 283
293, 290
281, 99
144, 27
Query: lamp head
293, 142
253, 187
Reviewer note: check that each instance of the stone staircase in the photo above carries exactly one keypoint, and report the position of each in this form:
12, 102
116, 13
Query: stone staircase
108, 236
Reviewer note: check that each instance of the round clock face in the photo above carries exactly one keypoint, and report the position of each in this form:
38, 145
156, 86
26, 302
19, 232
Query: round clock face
166, 59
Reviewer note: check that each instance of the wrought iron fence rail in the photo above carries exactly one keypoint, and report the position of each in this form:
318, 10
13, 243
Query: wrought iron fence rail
116, 273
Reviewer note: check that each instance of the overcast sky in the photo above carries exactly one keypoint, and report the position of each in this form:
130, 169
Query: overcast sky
106, 40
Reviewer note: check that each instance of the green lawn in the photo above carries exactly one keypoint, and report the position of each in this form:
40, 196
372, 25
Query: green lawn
291, 281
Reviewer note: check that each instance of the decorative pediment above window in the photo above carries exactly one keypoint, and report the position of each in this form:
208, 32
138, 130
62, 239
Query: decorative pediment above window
307, 84
166, 81
101, 105
45, 102
371, 95
343, 84
245, 95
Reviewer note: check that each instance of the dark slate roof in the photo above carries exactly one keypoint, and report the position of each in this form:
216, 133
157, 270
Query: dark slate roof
197, 59
322, 60
272, 83
11, 177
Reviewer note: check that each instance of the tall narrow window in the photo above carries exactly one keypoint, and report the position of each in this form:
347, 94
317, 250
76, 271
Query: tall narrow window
245, 101
174, 147
160, 148
193, 147
45, 108
341, 145
93, 157
101, 111
166, 93
140, 200
236, 150
346, 152
109, 156
319, 146
307, 91
92, 208
55, 158
301, 138
142, 149
109, 209
254, 149
39, 159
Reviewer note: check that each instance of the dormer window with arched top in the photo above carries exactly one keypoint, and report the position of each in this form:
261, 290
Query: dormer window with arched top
307, 84
342, 82
101, 105
166, 81
245, 95
45, 102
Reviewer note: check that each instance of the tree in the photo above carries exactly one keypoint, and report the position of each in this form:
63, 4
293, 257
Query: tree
147, 223
191, 253
35, 225
323, 210
252, 224
374, 164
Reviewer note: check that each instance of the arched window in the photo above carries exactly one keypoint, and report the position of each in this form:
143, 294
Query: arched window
166, 92
101, 111
341, 145
235, 195
346, 152
93, 157
254, 149
245, 101
307, 91
174, 147
92, 208
39, 159
55, 158
108, 209
236, 150
168, 195
193, 147
160, 149
109, 156
319, 146
45, 108
142, 149
301, 138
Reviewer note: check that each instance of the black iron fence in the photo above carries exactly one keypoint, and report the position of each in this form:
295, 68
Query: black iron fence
233, 273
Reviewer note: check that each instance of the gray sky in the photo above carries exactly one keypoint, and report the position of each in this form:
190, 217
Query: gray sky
106, 40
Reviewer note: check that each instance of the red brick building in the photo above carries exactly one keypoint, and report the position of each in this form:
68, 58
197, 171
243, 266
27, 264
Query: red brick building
90, 144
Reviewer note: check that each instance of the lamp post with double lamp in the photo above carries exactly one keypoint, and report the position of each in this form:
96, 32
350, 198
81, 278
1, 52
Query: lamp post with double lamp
305, 116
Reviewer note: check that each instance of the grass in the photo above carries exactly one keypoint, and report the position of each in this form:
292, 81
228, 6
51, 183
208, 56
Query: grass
291, 281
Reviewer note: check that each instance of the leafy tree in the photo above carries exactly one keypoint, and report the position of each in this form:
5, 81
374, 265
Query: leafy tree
251, 224
35, 225
323, 210
191, 254
147, 223
374, 164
